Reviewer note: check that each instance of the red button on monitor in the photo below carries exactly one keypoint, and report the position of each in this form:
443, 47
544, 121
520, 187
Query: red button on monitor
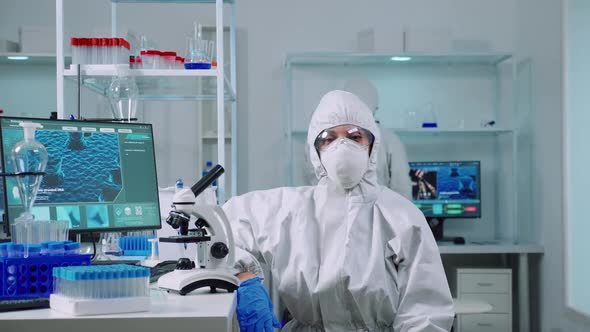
470, 209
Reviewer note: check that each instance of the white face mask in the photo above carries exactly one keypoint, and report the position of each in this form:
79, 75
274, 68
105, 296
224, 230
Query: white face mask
345, 162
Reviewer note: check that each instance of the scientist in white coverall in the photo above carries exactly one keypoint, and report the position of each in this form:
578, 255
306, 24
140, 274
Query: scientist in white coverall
346, 254
392, 162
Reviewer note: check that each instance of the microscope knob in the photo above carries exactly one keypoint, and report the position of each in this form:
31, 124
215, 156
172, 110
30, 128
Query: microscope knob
219, 250
185, 264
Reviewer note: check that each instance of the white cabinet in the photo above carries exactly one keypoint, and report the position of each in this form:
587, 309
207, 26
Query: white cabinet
493, 286
214, 87
480, 113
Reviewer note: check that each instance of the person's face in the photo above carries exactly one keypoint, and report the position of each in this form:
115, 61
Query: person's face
356, 134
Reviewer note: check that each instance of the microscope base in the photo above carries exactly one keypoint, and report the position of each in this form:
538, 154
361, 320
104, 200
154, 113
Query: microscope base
186, 281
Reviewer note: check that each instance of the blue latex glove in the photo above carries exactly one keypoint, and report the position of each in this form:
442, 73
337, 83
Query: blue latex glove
254, 310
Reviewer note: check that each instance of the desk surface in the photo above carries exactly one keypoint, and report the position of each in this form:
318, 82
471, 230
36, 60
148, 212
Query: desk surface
210, 312
489, 248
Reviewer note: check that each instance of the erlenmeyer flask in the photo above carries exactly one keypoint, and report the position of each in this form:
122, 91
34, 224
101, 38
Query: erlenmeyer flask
429, 117
29, 156
123, 95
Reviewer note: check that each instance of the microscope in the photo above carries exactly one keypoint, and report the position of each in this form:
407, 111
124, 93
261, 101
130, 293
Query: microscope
213, 263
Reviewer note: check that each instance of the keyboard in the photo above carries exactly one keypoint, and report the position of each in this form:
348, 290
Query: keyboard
161, 269
23, 304
115, 261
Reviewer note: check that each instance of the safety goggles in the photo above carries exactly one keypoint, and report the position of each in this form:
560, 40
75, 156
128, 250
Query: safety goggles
357, 135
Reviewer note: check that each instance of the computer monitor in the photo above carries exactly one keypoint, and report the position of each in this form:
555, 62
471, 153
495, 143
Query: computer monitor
100, 176
446, 189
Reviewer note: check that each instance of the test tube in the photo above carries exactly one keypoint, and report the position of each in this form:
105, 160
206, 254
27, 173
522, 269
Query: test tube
75, 50
94, 50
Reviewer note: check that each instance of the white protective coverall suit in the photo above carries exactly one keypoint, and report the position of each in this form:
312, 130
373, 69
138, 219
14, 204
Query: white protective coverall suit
362, 259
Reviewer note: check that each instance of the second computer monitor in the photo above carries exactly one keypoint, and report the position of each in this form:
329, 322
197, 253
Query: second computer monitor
447, 189
100, 176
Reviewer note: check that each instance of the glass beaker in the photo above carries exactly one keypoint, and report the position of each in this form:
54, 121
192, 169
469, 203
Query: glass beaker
411, 119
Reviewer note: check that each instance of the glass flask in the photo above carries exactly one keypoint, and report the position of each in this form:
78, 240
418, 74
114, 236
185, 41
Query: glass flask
123, 96
29, 156
429, 117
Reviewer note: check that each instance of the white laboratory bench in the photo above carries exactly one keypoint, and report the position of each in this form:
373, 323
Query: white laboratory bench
197, 311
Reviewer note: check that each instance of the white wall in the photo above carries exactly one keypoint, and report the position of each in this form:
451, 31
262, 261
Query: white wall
270, 29
539, 27
576, 98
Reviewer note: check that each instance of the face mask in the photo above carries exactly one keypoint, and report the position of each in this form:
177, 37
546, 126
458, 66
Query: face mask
345, 162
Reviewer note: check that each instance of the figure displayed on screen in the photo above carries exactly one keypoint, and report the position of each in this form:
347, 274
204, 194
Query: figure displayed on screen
466, 186
76, 141
423, 184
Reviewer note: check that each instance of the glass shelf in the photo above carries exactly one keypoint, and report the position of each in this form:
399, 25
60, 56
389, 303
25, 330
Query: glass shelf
32, 58
450, 132
157, 84
436, 131
170, 1
404, 59
213, 138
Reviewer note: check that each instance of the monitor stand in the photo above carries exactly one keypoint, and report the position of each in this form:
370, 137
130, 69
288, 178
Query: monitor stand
436, 226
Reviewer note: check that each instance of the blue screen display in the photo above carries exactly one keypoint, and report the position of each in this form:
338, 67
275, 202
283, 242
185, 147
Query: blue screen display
447, 189
100, 176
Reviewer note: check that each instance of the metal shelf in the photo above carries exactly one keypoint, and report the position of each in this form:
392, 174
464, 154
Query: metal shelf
436, 131
156, 84
491, 59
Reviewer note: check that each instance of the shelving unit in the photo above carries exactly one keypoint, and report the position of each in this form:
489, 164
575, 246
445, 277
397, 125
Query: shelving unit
154, 84
169, 85
31, 58
492, 84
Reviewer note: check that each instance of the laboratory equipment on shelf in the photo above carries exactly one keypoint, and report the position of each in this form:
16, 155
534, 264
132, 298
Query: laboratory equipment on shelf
100, 289
212, 266
199, 51
429, 117
123, 96
87, 51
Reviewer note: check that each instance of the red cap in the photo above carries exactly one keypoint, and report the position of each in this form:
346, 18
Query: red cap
132, 59
94, 41
124, 43
179, 59
74, 41
150, 52
214, 64
103, 41
168, 53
